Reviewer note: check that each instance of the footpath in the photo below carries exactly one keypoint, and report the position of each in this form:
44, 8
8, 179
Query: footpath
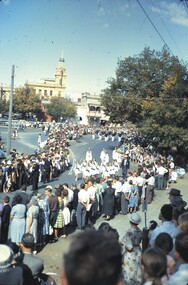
52, 253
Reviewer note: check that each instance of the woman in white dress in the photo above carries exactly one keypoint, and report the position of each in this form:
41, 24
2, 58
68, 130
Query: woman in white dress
66, 212
77, 171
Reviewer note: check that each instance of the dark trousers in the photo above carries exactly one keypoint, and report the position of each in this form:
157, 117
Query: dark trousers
124, 204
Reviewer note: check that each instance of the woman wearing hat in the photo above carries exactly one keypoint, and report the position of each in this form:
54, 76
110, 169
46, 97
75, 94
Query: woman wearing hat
32, 218
132, 252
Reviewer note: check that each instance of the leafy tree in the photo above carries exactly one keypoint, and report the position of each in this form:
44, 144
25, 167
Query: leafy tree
61, 107
4, 107
25, 100
151, 90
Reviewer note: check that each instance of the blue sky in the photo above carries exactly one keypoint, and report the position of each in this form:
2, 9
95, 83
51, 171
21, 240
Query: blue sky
92, 34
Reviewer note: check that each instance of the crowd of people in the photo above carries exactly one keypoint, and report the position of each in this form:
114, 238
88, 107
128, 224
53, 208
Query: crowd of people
107, 188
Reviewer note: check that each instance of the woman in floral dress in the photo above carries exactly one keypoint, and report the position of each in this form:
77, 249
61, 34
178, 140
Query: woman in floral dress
132, 252
59, 224
43, 219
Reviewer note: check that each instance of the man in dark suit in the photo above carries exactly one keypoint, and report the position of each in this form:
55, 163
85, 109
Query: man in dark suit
125, 164
35, 175
23, 194
35, 263
5, 218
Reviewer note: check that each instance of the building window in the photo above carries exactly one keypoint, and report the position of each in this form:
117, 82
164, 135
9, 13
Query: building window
51, 92
45, 93
40, 91
59, 93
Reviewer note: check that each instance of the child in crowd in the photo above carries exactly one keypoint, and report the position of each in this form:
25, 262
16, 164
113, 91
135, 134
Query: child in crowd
181, 252
154, 266
165, 242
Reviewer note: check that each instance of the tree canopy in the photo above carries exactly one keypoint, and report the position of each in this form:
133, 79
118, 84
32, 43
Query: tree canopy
61, 108
151, 90
26, 101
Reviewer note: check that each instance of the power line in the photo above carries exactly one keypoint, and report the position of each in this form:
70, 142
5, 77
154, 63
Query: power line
167, 29
185, 4
154, 26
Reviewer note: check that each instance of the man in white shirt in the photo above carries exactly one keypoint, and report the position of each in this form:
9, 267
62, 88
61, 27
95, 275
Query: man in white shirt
150, 188
91, 191
117, 186
160, 176
125, 191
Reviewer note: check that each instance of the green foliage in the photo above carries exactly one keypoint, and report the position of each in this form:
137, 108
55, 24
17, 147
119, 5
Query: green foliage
25, 100
151, 90
4, 106
61, 107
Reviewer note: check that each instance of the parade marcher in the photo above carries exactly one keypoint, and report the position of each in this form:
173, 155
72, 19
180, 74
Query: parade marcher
89, 155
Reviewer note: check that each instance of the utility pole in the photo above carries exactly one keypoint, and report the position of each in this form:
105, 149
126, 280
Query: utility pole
10, 113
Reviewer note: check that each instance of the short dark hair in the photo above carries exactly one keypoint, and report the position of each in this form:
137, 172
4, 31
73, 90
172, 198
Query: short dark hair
18, 199
165, 242
154, 262
6, 199
23, 187
28, 240
181, 246
93, 258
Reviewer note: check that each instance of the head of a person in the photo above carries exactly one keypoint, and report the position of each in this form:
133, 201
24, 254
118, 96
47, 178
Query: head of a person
18, 199
165, 242
108, 229
154, 264
183, 222
98, 180
134, 219
6, 199
48, 190
82, 186
23, 187
6, 256
94, 258
33, 201
173, 194
73, 186
181, 247
65, 186
109, 183
27, 241
166, 212
58, 192
65, 193
152, 225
